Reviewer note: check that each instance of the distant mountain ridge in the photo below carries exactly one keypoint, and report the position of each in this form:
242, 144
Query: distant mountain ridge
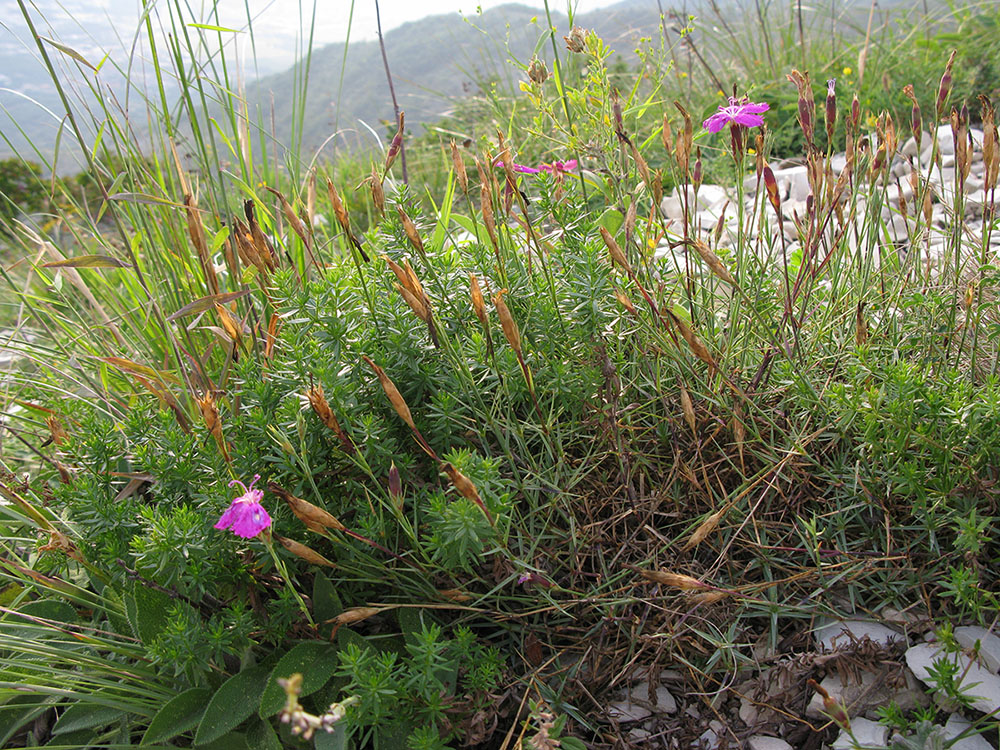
434, 62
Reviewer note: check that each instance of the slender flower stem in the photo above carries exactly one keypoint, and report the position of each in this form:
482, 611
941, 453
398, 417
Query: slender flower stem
283, 572
392, 89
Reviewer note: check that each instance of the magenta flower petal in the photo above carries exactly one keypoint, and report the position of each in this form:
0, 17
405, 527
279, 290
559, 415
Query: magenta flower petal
245, 516
738, 112
523, 169
715, 123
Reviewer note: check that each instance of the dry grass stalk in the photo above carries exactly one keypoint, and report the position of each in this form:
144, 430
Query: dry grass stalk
210, 414
315, 518
197, 233
458, 164
991, 147
705, 528
305, 553
454, 595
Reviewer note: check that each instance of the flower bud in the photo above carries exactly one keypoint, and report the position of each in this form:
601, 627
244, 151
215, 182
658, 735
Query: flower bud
537, 71
944, 88
831, 109
576, 41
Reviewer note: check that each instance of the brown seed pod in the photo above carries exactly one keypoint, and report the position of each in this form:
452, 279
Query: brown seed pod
510, 330
615, 250
395, 398
304, 553
674, 580
315, 518
458, 164
355, 614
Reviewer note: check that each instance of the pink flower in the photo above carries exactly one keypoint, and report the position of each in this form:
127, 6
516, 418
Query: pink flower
739, 112
557, 167
245, 515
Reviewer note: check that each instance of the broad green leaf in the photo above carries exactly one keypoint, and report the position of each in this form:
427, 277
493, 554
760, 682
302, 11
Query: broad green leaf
315, 660
232, 704
326, 604
178, 715
411, 623
18, 711
231, 741
88, 261
261, 735
203, 303
147, 610
30, 617
85, 716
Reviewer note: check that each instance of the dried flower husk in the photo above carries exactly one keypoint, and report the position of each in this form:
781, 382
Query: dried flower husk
210, 414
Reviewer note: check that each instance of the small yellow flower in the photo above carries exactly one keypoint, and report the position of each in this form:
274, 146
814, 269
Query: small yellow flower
848, 71
870, 121
751, 151
720, 93
683, 74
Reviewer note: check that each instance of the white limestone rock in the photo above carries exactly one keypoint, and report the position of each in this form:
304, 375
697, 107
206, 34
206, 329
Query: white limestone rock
989, 644
979, 683
833, 633
866, 734
955, 726
763, 742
